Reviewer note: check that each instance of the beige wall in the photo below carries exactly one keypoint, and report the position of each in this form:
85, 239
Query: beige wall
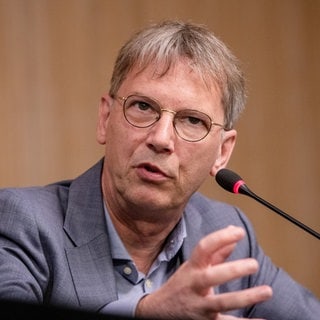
55, 62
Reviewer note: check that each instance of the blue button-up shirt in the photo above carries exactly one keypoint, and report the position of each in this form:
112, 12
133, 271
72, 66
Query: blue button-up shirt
132, 285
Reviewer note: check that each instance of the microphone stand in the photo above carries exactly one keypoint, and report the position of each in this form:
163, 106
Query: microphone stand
246, 191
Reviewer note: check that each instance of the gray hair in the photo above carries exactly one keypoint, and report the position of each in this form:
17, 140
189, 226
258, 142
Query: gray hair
169, 41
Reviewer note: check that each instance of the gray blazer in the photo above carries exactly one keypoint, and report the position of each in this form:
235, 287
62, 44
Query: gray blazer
54, 249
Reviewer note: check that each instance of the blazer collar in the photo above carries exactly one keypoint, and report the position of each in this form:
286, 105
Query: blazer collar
89, 254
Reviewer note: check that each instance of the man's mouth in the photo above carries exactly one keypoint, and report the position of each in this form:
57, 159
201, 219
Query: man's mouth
152, 169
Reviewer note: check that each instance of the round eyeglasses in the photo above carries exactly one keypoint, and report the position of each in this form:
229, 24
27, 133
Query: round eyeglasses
190, 125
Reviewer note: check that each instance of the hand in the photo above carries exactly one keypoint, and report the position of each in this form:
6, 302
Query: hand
188, 294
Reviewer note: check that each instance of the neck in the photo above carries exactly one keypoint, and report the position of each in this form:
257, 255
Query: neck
143, 239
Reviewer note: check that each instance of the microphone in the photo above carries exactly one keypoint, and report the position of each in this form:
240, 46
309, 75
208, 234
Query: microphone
233, 183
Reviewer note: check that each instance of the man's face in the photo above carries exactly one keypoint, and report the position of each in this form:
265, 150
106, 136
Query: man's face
153, 168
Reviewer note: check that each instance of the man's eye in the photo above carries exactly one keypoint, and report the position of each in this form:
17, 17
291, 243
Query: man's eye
193, 120
143, 106
140, 106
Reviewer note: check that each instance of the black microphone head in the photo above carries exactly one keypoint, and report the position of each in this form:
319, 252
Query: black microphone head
229, 180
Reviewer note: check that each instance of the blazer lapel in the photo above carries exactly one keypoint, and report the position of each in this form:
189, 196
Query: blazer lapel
92, 273
88, 252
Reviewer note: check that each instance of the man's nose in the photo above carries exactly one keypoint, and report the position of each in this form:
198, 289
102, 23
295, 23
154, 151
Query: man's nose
162, 135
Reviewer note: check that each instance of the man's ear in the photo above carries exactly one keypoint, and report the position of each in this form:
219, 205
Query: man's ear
103, 116
228, 141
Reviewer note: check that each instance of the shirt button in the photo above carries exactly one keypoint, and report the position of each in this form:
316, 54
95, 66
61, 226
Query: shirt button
127, 270
148, 283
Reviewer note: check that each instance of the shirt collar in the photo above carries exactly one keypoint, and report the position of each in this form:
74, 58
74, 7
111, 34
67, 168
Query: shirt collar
171, 248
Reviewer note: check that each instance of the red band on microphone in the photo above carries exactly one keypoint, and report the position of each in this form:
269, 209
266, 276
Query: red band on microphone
237, 186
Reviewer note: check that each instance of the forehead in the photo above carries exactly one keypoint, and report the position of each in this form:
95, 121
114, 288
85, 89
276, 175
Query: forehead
181, 83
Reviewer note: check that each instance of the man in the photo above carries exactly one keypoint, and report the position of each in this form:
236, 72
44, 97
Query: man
131, 235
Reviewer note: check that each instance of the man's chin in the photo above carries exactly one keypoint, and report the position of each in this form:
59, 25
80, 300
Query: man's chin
149, 201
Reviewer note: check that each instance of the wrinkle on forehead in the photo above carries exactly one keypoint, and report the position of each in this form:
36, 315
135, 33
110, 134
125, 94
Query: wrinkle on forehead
160, 68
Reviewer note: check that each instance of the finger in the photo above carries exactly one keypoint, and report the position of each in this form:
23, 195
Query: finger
221, 254
238, 299
221, 243
224, 272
